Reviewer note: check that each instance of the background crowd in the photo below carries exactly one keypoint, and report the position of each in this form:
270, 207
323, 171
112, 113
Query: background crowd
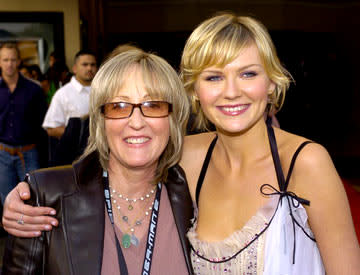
35, 109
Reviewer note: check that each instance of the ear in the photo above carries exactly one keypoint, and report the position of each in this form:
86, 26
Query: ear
272, 87
195, 90
74, 68
18, 62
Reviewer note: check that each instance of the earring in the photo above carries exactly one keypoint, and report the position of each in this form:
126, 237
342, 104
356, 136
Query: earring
194, 97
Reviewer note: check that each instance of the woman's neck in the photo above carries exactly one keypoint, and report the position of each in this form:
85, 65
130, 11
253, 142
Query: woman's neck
130, 182
237, 149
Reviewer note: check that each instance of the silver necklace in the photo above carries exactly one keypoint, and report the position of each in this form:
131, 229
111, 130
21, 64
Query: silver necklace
129, 235
130, 207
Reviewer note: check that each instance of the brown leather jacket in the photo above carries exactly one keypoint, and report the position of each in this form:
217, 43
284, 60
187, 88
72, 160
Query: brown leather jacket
76, 245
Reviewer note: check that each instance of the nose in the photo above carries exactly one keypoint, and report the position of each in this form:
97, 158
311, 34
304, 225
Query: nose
137, 120
232, 88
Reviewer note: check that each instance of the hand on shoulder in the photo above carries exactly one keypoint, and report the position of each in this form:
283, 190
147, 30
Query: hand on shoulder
34, 219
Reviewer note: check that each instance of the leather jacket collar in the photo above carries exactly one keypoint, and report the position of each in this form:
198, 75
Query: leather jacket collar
77, 195
89, 173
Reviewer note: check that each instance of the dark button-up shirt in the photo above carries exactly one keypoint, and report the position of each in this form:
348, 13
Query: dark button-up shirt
21, 112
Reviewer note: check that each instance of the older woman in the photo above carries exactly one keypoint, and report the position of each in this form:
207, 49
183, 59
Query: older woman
120, 208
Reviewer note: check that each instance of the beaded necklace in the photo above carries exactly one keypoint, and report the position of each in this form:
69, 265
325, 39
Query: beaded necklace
129, 238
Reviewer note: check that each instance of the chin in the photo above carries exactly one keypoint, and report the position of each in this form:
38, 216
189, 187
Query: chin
233, 128
140, 163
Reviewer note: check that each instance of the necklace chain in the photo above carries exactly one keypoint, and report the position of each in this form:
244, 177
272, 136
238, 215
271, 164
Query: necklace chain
142, 198
127, 240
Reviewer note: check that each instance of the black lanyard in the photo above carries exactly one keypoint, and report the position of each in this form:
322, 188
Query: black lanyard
150, 243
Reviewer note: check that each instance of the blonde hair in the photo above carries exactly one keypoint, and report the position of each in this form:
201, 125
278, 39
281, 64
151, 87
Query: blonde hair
218, 41
160, 81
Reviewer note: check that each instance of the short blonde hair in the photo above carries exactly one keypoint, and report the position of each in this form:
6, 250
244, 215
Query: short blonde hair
218, 41
160, 81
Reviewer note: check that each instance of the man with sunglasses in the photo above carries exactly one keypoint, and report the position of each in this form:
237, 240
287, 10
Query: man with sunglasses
22, 110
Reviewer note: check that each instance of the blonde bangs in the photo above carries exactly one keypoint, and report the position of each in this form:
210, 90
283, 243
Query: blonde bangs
217, 42
156, 81
213, 43
217, 51
161, 83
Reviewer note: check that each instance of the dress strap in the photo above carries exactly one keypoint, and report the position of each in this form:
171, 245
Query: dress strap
275, 155
290, 196
302, 145
283, 184
204, 169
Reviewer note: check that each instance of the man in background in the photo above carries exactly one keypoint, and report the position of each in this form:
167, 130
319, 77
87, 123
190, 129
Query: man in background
22, 110
71, 100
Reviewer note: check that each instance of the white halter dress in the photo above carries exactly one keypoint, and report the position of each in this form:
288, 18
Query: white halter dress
277, 240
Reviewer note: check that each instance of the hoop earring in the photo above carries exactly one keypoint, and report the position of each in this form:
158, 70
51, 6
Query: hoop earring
194, 97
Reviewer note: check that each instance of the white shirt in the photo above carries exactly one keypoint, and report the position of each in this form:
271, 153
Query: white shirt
71, 100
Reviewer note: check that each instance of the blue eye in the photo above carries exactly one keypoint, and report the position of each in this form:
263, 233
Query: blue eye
213, 78
248, 74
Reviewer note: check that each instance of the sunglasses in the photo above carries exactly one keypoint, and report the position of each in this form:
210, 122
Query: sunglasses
117, 110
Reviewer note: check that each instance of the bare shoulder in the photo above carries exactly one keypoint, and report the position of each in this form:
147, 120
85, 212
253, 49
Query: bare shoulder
314, 158
315, 178
194, 152
312, 163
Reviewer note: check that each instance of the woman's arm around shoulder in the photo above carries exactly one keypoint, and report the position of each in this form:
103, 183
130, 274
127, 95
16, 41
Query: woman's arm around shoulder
316, 179
24, 255
193, 156
35, 218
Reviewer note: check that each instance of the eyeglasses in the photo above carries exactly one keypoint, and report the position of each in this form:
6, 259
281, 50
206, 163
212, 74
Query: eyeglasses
117, 110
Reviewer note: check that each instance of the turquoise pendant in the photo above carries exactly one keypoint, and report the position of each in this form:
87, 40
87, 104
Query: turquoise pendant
126, 241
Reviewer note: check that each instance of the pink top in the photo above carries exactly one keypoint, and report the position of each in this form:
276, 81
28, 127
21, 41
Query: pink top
168, 257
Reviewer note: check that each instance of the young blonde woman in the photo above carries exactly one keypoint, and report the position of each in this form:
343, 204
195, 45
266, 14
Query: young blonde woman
266, 201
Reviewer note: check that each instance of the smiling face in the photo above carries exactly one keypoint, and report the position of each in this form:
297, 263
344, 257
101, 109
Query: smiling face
136, 142
234, 97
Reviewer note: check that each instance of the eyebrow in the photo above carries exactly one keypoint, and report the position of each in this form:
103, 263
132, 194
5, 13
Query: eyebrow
86, 63
124, 97
239, 69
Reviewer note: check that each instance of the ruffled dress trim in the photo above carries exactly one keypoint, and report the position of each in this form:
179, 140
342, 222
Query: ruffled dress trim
249, 239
